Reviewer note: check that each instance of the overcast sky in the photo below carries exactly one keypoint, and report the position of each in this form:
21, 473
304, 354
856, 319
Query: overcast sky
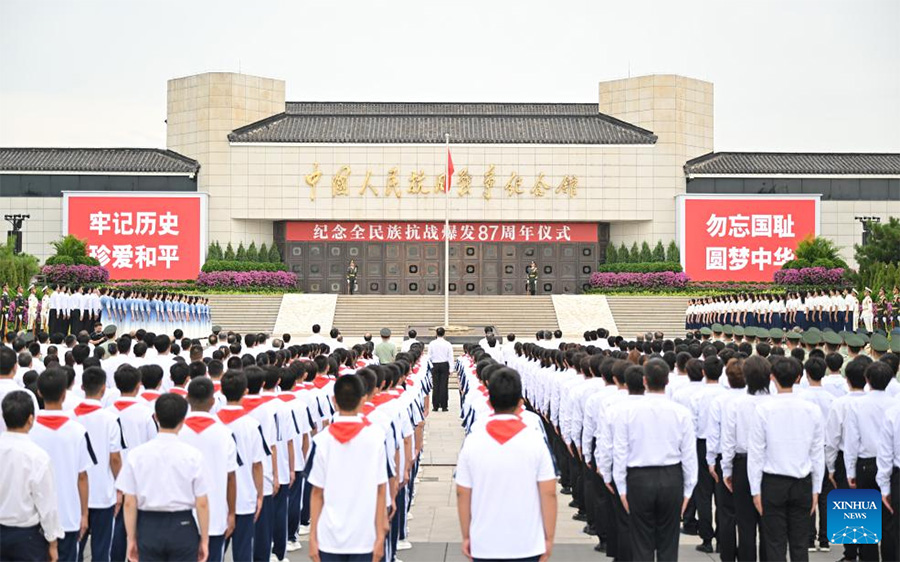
816, 75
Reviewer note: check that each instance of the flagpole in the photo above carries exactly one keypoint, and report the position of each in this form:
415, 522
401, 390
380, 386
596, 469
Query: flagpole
447, 232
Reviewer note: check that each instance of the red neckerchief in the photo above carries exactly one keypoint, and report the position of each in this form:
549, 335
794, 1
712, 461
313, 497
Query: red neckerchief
344, 431
123, 404
368, 408
217, 385
150, 395
84, 408
52, 421
360, 364
505, 429
380, 399
251, 403
229, 414
199, 423
321, 381
286, 397
179, 391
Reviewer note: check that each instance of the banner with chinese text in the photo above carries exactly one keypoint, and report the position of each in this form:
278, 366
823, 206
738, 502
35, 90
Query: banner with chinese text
140, 235
741, 238
363, 231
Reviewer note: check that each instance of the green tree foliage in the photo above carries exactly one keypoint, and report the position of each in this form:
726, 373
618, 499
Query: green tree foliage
71, 250
879, 258
214, 252
659, 252
252, 252
672, 253
274, 254
16, 269
241, 254
263, 253
634, 255
646, 253
816, 251
624, 256
229, 253
612, 255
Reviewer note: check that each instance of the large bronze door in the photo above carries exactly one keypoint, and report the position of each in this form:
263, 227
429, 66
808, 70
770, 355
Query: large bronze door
433, 274
393, 269
512, 276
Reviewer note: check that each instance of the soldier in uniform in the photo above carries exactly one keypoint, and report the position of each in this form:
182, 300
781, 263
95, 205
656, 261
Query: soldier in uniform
868, 314
531, 271
352, 271
34, 310
20, 304
4, 309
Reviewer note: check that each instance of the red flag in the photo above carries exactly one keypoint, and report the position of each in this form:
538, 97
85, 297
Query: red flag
449, 172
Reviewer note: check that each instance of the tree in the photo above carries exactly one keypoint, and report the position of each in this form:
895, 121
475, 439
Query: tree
274, 254
882, 246
624, 256
214, 252
229, 253
818, 251
634, 255
646, 253
263, 253
659, 253
672, 253
241, 254
611, 254
16, 269
252, 253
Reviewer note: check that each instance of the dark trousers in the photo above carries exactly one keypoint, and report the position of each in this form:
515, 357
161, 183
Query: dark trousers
654, 501
587, 485
120, 538
866, 469
67, 547
280, 521
329, 557
748, 520
703, 495
599, 502
26, 544
167, 536
577, 482
891, 532
52, 325
623, 551
75, 321
851, 551
440, 372
304, 510
100, 529
262, 536
241, 541
822, 512
726, 531
785, 520
399, 518
295, 506
216, 548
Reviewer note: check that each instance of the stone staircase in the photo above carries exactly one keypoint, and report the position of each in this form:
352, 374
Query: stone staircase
522, 315
636, 315
245, 313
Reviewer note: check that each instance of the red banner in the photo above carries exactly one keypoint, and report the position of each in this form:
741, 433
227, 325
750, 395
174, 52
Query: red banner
351, 231
145, 237
742, 238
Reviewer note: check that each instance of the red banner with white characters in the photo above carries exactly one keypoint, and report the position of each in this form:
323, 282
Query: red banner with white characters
742, 238
361, 231
160, 237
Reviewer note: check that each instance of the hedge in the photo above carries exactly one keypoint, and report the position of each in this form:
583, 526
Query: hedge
646, 267
817, 276
663, 280
223, 265
75, 274
247, 279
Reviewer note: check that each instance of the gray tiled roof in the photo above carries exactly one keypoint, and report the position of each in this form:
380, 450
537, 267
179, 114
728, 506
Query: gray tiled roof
799, 163
425, 123
113, 160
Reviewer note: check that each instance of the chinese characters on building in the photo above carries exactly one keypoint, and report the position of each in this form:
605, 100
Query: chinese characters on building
350, 231
127, 223
739, 228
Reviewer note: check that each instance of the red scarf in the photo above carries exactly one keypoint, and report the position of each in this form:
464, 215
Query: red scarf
251, 403
199, 423
179, 391
504, 430
150, 395
84, 408
286, 397
217, 386
344, 431
51, 421
368, 409
228, 416
380, 399
321, 381
123, 404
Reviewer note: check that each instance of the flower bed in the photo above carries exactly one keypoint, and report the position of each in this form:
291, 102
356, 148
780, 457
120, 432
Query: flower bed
75, 274
815, 276
247, 279
648, 267
661, 280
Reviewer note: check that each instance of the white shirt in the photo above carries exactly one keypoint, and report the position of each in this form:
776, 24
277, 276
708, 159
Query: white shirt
406, 344
787, 440
136, 421
7, 386
861, 429
349, 474
264, 413
440, 351
888, 449
164, 474
834, 427
216, 443
739, 417
251, 449
102, 426
654, 431
27, 489
506, 507
70, 454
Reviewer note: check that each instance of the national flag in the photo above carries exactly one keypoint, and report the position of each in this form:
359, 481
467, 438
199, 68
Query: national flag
449, 178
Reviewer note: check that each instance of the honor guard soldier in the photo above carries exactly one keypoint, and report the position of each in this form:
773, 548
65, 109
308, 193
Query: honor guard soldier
352, 272
531, 272
163, 480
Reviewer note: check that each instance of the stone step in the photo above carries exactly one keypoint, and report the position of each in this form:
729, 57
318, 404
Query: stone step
634, 315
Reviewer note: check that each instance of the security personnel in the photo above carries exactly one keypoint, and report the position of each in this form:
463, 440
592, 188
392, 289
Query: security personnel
531, 271
352, 272
163, 480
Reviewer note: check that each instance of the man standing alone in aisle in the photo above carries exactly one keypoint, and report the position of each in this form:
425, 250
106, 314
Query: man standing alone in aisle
440, 352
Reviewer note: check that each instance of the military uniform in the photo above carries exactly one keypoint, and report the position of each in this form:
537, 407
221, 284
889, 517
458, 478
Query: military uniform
532, 273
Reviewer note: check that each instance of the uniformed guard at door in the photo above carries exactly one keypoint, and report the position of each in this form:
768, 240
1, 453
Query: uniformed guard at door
532, 274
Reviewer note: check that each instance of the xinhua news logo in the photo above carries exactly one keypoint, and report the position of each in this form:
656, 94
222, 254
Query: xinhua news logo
854, 517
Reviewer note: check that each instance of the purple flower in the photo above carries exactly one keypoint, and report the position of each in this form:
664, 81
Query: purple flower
241, 279
662, 279
819, 276
76, 274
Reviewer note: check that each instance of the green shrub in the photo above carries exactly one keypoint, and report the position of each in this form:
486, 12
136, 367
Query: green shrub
229, 253
16, 269
263, 255
634, 255
659, 253
612, 255
252, 253
672, 253
224, 265
60, 260
641, 267
646, 254
214, 252
86, 260
241, 254
274, 254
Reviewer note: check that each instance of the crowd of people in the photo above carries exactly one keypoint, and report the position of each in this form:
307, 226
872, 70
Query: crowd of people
69, 309
151, 447
839, 310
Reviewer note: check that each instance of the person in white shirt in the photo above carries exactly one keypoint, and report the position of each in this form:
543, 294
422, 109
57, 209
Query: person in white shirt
69, 447
852, 303
410, 341
8, 368
163, 480
506, 482
655, 466
29, 516
700, 404
348, 474
217, 444
103, 429
888, 477
785, 461
440, 353
817, 394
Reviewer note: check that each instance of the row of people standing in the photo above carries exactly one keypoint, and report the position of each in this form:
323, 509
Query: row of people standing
840, 310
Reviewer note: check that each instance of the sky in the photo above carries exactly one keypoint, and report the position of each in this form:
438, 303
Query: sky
814, 75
